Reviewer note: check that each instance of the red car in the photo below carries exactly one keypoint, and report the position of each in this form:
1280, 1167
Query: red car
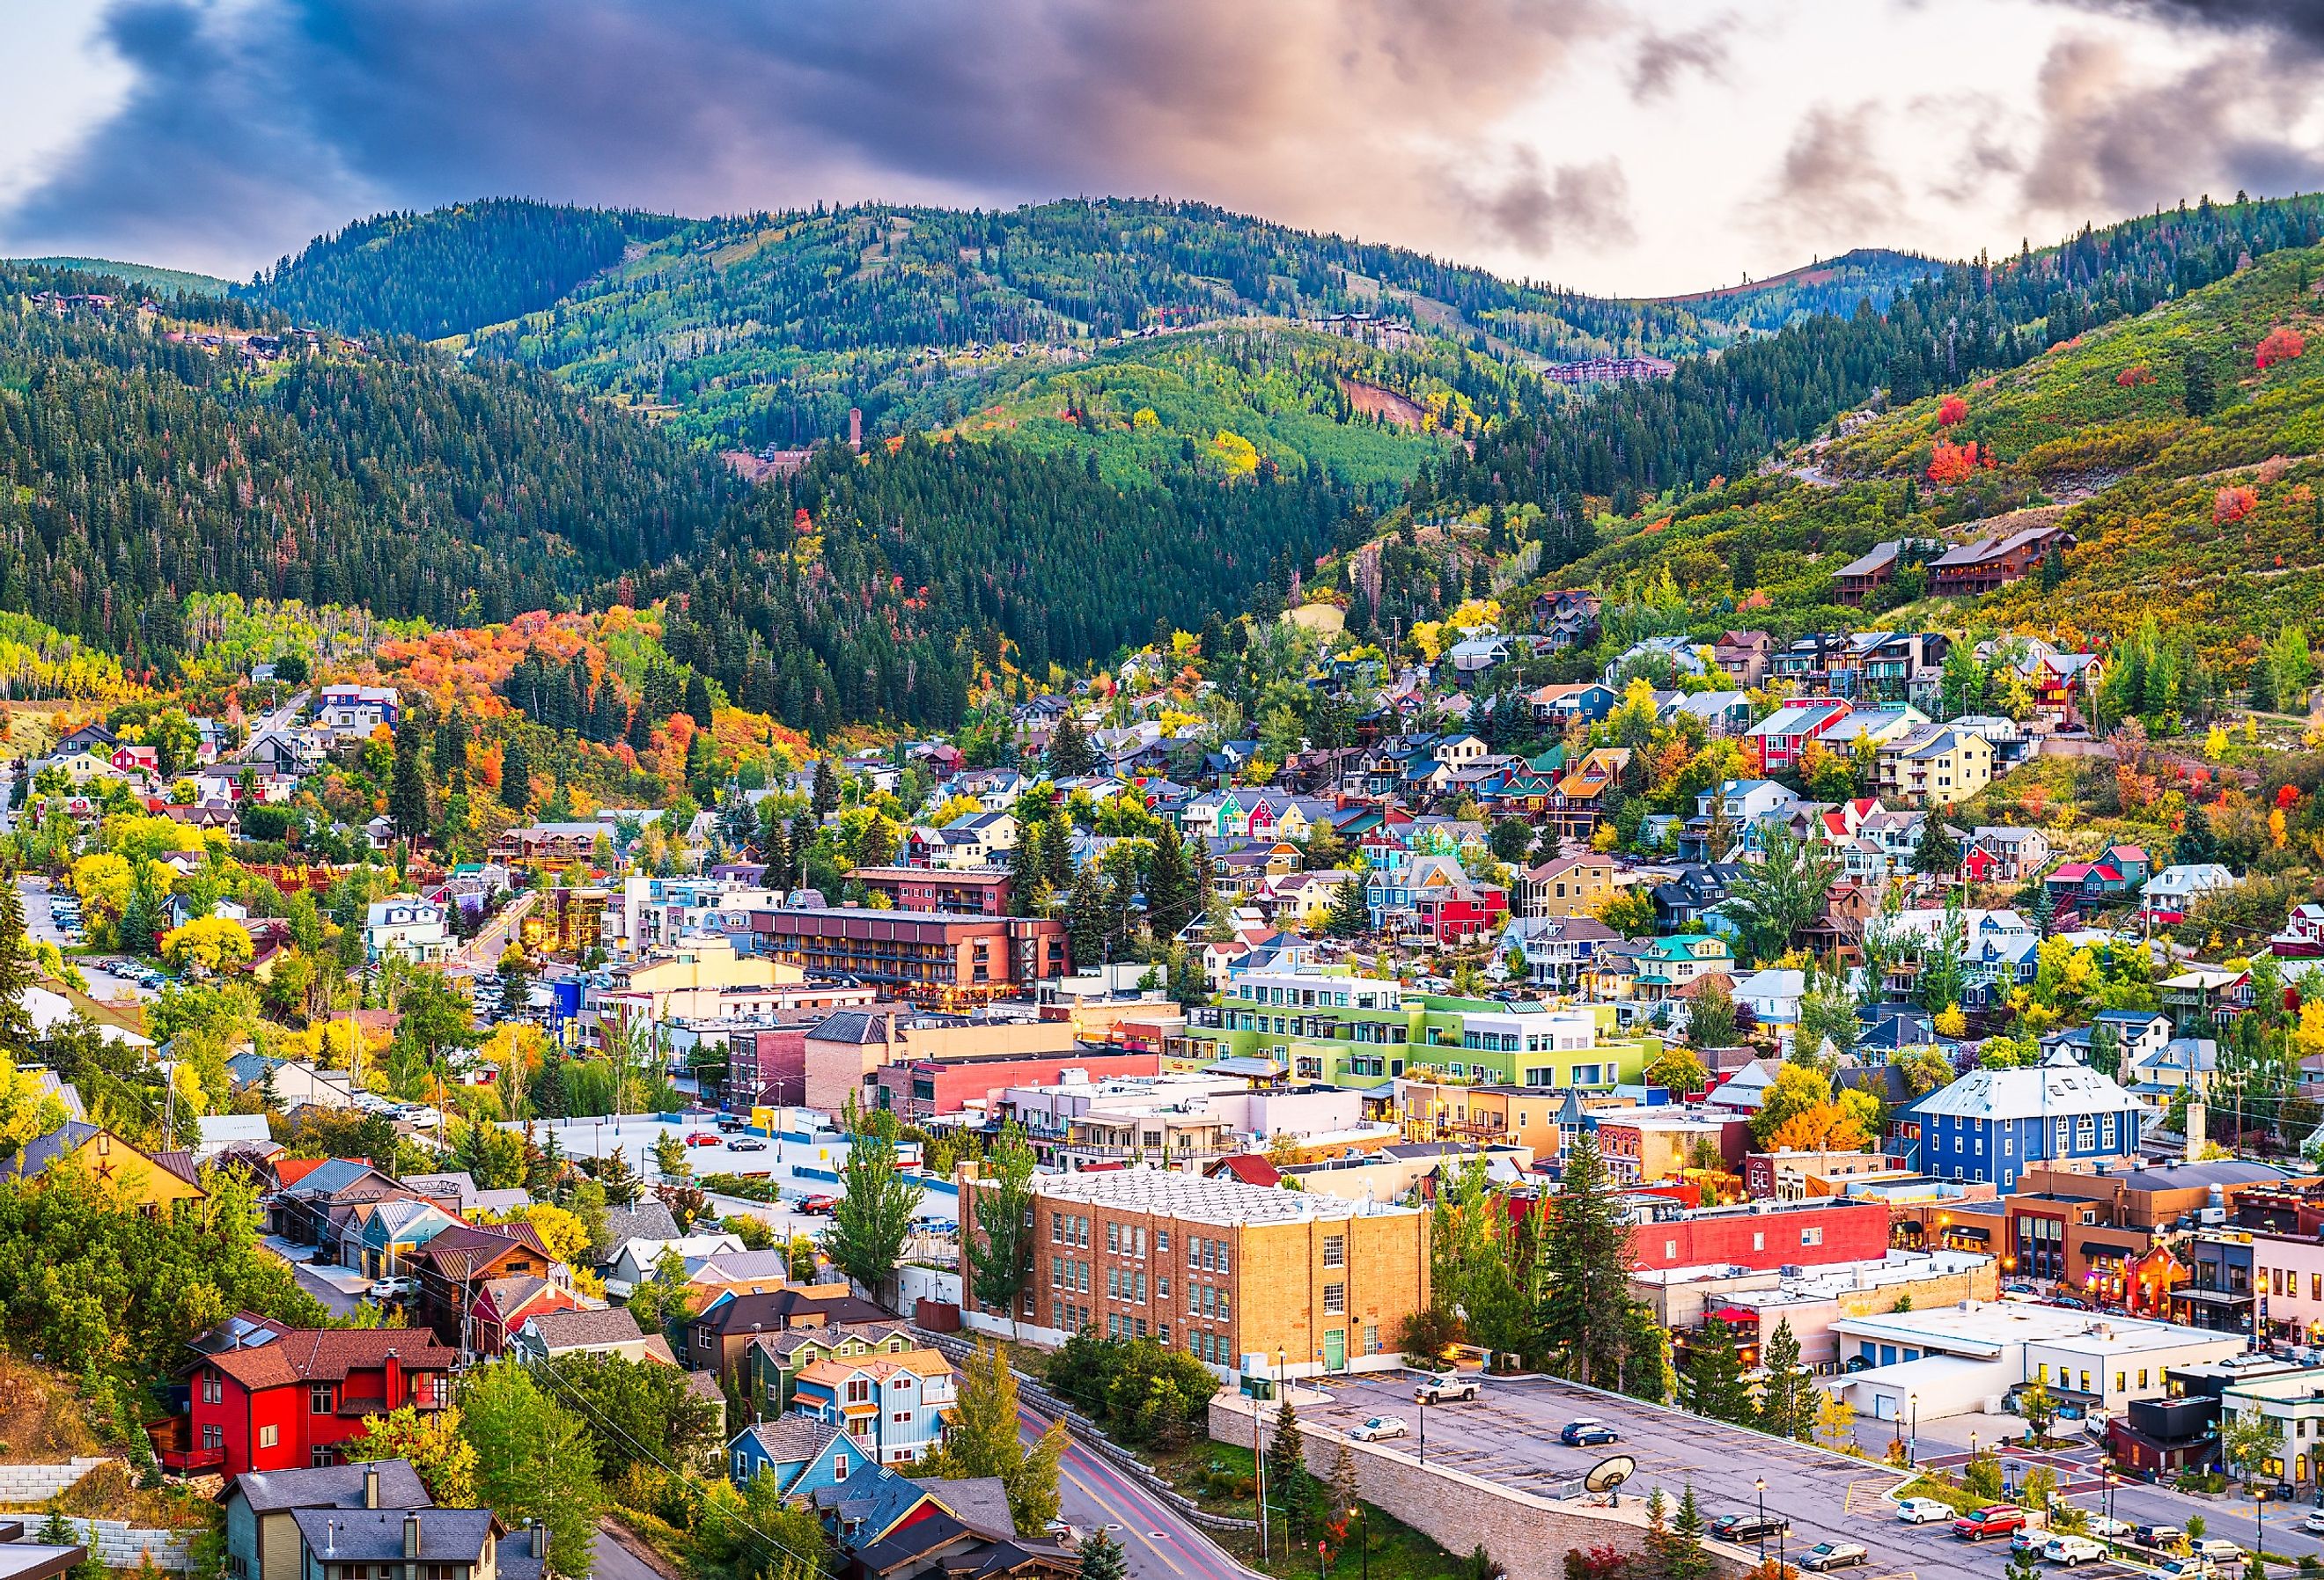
1993, 1520
700, 1137
819, 1204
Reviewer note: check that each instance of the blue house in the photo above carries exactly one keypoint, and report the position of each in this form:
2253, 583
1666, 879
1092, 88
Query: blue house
1989, 1124
803, 1456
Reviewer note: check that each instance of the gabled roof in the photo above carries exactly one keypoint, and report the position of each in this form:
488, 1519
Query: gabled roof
329, 1486
273, 1356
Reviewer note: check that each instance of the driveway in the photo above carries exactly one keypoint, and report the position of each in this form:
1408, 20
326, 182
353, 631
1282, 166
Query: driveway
340, 1289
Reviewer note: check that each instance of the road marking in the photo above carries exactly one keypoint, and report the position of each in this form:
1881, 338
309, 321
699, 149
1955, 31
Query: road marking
1091, 1493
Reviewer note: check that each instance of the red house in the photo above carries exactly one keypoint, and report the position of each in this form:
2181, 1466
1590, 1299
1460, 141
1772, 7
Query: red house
1461, 911
262, 1396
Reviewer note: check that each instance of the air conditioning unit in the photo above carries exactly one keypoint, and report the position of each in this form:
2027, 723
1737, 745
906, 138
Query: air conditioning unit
2211, 1215
1791, 1270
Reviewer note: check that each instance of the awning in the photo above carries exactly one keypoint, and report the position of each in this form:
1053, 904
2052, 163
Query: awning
2100, 1248
1965, 1232
1734, 1317
1909, 1225
2211, 1297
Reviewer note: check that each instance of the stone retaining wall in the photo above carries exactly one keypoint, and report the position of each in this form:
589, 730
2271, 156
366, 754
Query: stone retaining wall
118, 1545
37, 1484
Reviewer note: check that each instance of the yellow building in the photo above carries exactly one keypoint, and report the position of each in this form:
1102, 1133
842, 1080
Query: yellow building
1937, 765
1568, 885
701, 978
154, 1185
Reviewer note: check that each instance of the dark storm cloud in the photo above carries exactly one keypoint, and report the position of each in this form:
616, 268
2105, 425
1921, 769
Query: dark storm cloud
249, 125
2115, 139
1664, 58
2299, 21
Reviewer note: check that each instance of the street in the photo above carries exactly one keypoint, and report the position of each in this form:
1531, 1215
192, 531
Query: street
1157, 1540
484, 950
40, 927
340, 1289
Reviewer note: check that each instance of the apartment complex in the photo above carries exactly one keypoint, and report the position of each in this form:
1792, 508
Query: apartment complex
926, 957
1220, 1268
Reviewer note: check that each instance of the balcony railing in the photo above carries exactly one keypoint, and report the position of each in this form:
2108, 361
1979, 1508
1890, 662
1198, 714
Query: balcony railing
186, 1461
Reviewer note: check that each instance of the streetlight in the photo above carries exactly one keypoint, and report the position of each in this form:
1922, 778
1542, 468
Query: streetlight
1363, 1539
1912, 1452
1759, 1486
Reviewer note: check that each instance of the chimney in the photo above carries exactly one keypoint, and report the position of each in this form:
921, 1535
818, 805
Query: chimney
371, 1486
855, 429
537, 1540
411, 1533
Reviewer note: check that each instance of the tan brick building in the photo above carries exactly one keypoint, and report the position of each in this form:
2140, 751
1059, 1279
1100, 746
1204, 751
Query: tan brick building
1221, 1269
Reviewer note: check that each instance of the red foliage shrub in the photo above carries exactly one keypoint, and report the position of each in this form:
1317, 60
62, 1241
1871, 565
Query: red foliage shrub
1952, 463
1951, 410
2282, 345
2233, 505
2130, 378
2287, 797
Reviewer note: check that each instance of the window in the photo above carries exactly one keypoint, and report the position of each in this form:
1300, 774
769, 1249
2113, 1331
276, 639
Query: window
1759, 1241
1223, 1304
319, 1398
1811, 1236
213, 1436
1335, 1250
859, 1389
268, 1436
1113, 1238
322, 1458
1335, 1299
1161, 1242
213, 1391
1223, 1257
839, 1468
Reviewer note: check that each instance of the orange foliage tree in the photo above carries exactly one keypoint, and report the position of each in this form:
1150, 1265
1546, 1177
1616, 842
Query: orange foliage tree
2233, 505
2130, 378
1953, 463
1951, 410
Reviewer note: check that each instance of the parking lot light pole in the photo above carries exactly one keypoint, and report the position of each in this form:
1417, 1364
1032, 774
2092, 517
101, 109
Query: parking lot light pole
1759, 1486
1912, 1452
1363, 1540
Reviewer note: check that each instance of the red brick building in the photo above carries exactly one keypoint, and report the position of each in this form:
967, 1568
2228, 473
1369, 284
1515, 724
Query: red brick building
1764, 1236
262, 1396
768, 1064
925, 956
917, 1088
964, 893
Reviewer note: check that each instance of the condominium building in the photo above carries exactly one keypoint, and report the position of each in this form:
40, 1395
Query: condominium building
926, 957
1224, 1269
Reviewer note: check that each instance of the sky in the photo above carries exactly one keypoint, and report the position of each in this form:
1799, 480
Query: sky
1628, 147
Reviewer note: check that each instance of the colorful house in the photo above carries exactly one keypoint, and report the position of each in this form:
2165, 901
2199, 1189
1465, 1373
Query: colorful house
154, 1185
894, 1405
262, 1395
803, 1456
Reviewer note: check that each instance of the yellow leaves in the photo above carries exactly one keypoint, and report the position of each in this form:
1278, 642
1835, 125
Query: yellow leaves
2308, 1037
2277, 833
213, 943
2215, 744
1828, 1127
1951, 1022
104, 882
1144, 417
1237, 454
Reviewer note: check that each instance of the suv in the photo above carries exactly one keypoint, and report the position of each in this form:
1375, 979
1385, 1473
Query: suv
1446, 1385
1588, 1433
1993, 1520
1743, 1528
2158, 1536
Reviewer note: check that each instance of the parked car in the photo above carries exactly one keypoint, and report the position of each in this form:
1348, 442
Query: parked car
2070, 1550
812, 1205
1924, 1512
2218, 1549
1445, 1385
746, 1144
2026, 1540
2314, 1523
1833, 1555
2102, 1526
1588, 1433
1377, 1428
1742, 1528
395, 1289
700, 1137
1993, 1520
2158, 1536
731, 1123
2191, 1568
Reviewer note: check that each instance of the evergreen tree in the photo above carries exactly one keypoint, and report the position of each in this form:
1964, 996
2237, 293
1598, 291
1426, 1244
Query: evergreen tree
407, 792
1906, 380
999, 1241
1585, 1316
1071, 755
2202, 390
1939, 853
1348, 917
1689, 1560
1085, 918
1713, 1383
1058, 854
2196, 842
1286, 1468
1024, 872
1786, 1398
697, 700
825, 799
621, 1181
516, 774
17, 1029
1167, 897
1103, 1558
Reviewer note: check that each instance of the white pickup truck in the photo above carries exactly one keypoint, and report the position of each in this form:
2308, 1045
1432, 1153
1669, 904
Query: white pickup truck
1444, 1385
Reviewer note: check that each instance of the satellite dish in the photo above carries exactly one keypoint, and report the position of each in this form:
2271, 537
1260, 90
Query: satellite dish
1608, 1474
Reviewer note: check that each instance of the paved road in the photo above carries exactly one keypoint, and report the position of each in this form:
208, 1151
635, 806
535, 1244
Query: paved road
484, 950
40, 927
1157, 1540
611, 1558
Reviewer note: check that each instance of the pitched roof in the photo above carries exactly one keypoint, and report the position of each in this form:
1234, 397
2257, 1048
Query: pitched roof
776, 1308
369, 1535
302, 1354
581, 1330
792, 1439
329, 1486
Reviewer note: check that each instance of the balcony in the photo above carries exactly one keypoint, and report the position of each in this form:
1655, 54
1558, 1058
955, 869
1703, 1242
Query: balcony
191, 1460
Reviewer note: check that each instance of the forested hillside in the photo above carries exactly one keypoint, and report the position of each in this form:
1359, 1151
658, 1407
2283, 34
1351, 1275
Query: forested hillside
449, 270
767, 328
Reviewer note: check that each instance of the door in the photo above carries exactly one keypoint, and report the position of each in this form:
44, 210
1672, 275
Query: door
1335, 1349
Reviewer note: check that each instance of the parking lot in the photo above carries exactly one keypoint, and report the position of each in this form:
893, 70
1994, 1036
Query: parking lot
1509, 1435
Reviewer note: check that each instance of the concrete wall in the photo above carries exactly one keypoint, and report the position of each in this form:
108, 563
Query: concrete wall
1528, 1535
118, 1545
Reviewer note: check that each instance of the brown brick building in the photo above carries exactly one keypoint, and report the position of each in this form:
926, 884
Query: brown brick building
1221, 1268
926, 957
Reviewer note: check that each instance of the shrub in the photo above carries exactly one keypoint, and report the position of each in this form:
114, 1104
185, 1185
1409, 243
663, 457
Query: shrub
1950, 411
2233, 505
2282, 343
2131, 377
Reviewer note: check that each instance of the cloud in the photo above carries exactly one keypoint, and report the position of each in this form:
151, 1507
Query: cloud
1662, 58
253, 124
1538, 210
2116, 139
2300, 22
1832, 188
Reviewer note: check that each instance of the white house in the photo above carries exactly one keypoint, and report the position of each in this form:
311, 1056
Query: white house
415, 929
2166, 896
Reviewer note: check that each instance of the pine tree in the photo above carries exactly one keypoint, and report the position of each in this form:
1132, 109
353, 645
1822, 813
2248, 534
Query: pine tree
697, 700
1166, 899
1348, 917
1584, 1317
2196, 843
1787, 1399
407, 794
1688, 1559
1712, 1382
1085, 918
1024, 872
516, 774
1103, 1558
1071, 755
1286, 1467
1939, 853
1058, 854
619, 1180
2202, 390
16, 1030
